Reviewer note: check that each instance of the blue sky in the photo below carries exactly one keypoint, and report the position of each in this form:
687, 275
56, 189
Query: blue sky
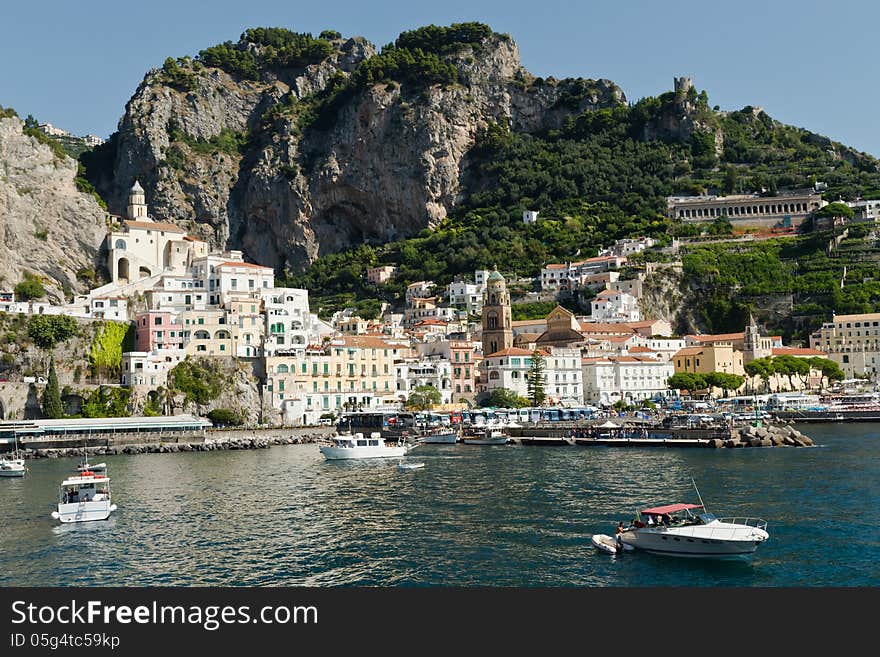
810, 64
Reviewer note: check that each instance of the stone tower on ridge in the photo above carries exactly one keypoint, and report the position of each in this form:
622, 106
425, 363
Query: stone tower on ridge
497, 326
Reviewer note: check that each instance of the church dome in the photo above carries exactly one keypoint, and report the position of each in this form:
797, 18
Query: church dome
496, 276
136, 188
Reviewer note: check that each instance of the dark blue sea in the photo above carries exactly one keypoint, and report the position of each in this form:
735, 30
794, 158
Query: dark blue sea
473, 516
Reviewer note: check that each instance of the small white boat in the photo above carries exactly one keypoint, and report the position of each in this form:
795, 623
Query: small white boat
410, 466
357, 446
607, 544
84, 497
96, 467
12, 468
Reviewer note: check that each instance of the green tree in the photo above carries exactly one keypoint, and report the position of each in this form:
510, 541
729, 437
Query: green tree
724, 381
535, 379
835, 210
48, 330
762, 367
30, 288
504, 398
52, 406
686, 381
226, 417
423, 398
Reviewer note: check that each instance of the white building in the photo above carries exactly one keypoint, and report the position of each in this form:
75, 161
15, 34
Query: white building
868, 211
628, 246
436, 372
851, 341
289, 323
630, 378
468, 296
564, 376
506, 369
611, 306
149, 368
530, 216
664, 348
419, 290
144, 248
573, 275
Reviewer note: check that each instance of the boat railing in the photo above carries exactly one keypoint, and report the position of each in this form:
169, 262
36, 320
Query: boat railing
758, 523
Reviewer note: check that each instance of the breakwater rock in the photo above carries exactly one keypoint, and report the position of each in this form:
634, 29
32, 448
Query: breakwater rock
209, 445
765, 436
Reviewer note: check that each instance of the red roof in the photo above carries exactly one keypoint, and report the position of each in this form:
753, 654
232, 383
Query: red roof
242, 264
671, 508
796, 351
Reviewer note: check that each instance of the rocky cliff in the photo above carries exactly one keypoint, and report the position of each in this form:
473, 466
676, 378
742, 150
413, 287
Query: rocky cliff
47, 226
304, 161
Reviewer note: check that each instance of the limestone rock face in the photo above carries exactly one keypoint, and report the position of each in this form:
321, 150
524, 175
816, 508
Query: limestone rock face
386, 162
47, 226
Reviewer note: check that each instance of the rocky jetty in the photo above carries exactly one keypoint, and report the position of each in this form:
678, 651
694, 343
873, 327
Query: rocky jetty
209, 445
765, 436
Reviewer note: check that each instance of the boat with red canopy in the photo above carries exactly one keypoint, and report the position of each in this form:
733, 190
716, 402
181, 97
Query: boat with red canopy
690, 530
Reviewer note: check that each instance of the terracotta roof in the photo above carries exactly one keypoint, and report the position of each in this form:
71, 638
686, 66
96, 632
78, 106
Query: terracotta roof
641, 350
607, 293
597, 359
527, 336
797, 351
528, 322
720, 337
599, 327
642, 324
556, 266
189, 238
233, 263
688, 351
510, 351
154, 225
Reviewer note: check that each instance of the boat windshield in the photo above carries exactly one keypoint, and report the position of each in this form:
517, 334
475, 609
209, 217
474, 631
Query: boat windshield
707, 517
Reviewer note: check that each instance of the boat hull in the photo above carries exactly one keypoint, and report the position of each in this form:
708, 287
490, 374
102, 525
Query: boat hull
485, 441
84, 511
713, 541
372, 452
440, 439
12, 472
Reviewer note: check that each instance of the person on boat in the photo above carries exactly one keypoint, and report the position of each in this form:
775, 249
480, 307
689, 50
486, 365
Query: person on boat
650, 521
617, 534
620, 529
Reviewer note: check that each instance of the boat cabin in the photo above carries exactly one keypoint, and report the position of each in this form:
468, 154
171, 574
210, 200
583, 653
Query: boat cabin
84, 488
358, 440
673, 515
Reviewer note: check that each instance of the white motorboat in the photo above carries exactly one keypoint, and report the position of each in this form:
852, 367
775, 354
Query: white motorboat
690, 530
607, 544
442, 436
357, 446
84, 497
490, 437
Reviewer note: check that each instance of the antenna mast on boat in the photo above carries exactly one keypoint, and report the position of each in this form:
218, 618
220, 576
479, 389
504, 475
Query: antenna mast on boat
698, 494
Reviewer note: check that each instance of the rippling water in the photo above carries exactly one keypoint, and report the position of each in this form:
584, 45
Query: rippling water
473, 516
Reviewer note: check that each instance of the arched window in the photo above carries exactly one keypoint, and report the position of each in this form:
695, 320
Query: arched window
281, 369
493, 300
221, 335
493, 376
202, 335
120, 244
492, 320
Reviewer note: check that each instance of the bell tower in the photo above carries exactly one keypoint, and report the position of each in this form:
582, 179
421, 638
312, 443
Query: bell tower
497, 326
137, 203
